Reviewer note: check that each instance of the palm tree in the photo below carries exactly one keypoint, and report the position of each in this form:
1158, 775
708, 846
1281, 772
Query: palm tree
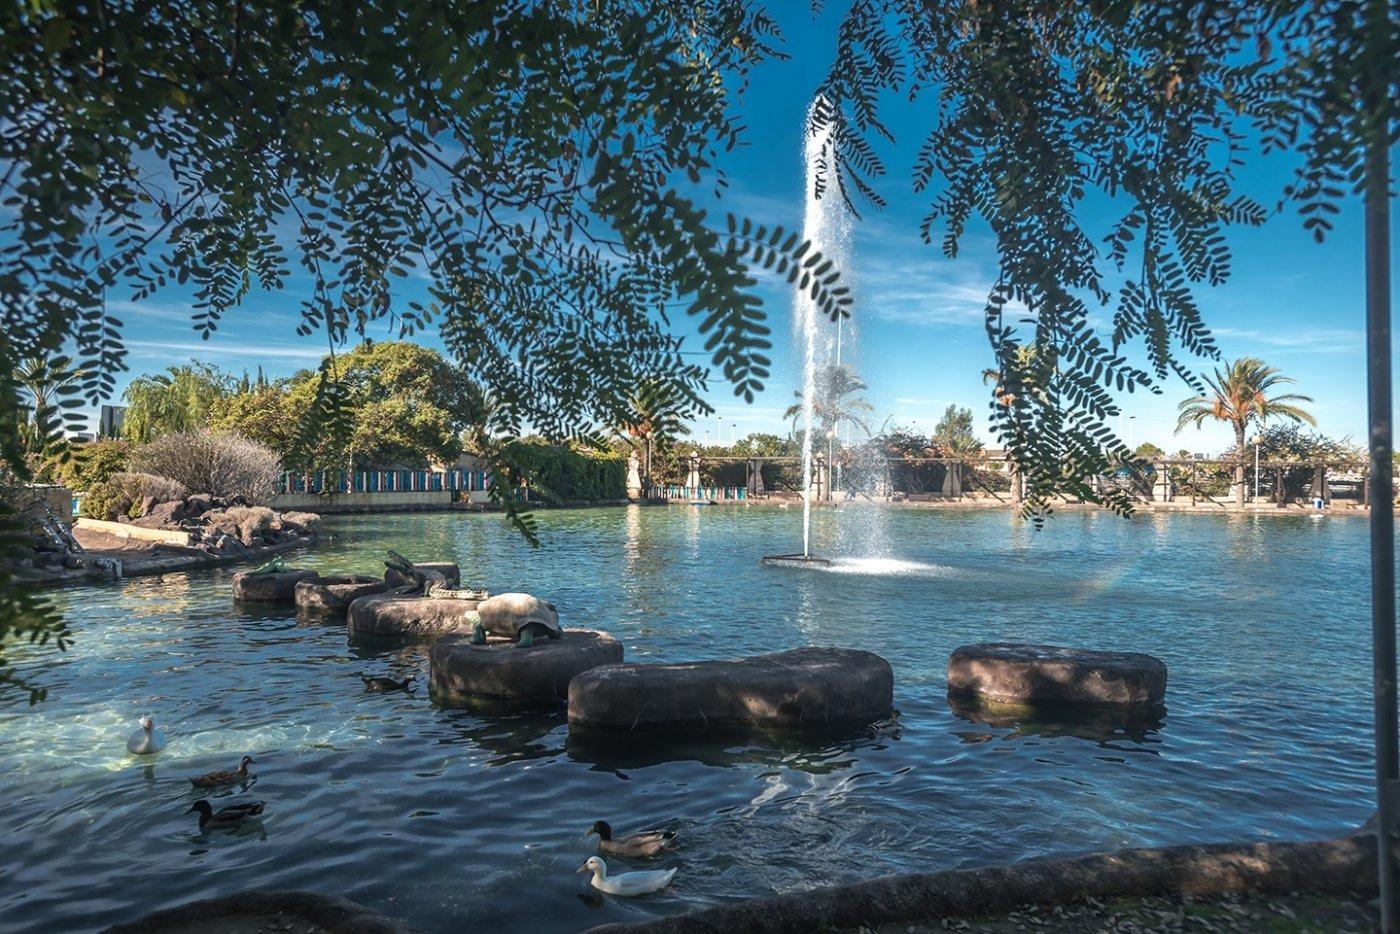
44, 382
655, 417
830, 405
1241, 393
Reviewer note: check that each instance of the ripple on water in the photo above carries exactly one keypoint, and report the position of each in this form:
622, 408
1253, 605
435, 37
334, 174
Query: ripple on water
452, 816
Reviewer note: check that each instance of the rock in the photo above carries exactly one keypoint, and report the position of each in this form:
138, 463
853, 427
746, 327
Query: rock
809, 688
411, 617
1014, 673
447, 569
301, 523
277, 587
169, 513
265, 911
502, 670
198, 504
335, 594
506, 614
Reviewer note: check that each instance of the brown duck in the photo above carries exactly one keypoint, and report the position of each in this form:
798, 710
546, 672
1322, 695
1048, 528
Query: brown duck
223, 777
225, 818
385, 685
642, 845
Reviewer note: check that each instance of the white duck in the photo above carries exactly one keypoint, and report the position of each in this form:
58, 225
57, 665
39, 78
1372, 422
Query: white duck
146, 740
626, 883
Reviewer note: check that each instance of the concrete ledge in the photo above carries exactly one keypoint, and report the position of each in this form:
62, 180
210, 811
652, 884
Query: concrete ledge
502, 670
1016, 674
809, 688
335, 594
410, 617
256, 910
276, 587
136, 532
1333, 867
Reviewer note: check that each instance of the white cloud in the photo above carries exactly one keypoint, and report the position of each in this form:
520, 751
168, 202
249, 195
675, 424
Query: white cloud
215, 348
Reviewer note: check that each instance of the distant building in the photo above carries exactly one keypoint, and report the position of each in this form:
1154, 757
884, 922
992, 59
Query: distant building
109, 425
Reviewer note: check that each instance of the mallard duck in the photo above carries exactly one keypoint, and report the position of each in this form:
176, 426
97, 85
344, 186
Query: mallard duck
643, 845
146, 740
229, 777
225, 818
626, 883
384, 685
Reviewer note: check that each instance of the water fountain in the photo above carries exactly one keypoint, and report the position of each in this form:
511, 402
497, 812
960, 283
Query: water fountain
826, 226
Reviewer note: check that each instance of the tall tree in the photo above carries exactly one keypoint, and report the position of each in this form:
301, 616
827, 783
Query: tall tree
953, 435
177, 400
1241, 393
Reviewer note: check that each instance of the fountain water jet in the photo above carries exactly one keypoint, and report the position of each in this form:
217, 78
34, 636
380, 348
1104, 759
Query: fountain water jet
826, 227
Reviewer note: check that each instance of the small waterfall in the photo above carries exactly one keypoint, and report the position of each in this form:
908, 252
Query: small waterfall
826, 224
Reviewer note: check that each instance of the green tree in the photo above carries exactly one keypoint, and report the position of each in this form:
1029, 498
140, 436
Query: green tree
1147, 451
953, 435
400, 404
94, 463
180, 399
1241, 393
267, 414
655, 421
46, 398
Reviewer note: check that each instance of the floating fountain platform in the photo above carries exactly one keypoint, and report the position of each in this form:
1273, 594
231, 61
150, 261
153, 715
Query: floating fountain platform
778, 561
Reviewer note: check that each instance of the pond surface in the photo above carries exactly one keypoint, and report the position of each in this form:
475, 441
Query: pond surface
456, 820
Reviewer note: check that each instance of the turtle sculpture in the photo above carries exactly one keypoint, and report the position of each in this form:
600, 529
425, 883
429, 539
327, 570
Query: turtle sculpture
423, 582
518, 616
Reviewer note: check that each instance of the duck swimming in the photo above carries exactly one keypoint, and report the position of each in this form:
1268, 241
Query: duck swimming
384, 685
626, 883
229, 777
642, 845
146, 740
225, 818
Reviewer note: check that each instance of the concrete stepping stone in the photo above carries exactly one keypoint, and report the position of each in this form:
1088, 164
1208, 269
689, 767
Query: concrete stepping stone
808, 688
335, 594
501, 669
276, 587
1016, 673
387, 614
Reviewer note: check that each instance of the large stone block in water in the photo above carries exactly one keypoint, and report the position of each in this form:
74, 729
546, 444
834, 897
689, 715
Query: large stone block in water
446, 568
1014, 673
503, 670
276, 587
410, 617
335, 594
804, 689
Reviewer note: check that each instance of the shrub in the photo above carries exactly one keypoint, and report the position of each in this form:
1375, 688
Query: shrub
558, 473
125, 493
216, 462
94, 463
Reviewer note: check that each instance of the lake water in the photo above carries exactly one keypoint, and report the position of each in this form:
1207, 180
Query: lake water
450, 818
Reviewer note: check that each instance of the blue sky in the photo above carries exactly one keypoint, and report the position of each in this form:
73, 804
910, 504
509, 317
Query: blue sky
1296, 304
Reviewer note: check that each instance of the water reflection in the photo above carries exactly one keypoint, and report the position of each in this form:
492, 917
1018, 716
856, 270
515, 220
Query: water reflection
1108, 727
619, 753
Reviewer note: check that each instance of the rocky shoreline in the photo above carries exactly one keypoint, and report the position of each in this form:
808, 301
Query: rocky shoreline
179, 535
